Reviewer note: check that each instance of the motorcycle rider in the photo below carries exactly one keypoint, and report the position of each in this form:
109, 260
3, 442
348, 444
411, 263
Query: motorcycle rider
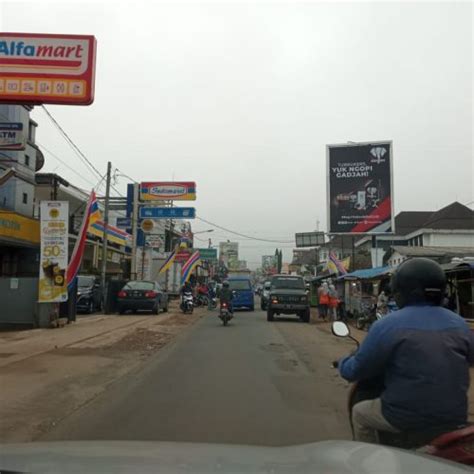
186, 288
423, 351
226, 296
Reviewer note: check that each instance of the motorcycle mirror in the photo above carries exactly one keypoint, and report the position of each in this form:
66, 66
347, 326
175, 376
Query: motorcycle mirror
340, 329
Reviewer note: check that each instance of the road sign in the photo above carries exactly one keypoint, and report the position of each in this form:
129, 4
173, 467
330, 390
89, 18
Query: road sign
309, 239
147, 225
124, 222
155, 241
167, 212
208, 254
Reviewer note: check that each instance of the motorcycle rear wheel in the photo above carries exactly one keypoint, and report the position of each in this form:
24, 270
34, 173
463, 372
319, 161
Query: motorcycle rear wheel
360, 323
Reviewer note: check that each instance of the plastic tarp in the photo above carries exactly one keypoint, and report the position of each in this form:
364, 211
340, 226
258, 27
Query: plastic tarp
366, 273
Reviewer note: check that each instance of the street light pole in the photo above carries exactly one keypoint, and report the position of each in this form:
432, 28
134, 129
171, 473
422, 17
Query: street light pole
104, 235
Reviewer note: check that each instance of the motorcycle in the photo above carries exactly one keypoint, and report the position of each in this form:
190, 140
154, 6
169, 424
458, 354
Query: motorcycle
225, 313
368, 317
187, 303
212, 303
454, 443
201, 300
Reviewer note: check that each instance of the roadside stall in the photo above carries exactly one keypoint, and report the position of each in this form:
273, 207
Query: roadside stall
460, 288
361, 289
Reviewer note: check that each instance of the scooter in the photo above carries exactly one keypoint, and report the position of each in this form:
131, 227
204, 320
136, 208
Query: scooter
369, 316
454, 443
187, 304
225, 313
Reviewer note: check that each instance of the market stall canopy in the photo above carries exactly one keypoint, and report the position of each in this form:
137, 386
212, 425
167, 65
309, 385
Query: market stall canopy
367, 273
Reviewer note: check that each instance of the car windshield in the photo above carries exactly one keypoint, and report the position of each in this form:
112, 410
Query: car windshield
158, 149
85, 281
239, 285
288, 283
139, 285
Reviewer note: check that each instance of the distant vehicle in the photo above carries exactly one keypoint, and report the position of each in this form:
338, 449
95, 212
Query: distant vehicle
89, 293
142, 295
243, 292
265, 295
288, 296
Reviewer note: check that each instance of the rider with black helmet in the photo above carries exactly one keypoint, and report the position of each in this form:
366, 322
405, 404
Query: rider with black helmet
423, 351
226, 295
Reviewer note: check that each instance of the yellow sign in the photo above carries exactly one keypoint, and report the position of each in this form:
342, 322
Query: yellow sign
54, 251
15, 226
147, 225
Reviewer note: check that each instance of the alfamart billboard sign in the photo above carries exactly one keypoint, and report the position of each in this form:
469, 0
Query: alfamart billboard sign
360, 189
43, 68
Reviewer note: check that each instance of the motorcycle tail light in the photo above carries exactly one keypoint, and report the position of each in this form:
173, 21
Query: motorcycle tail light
224, 305
150, 294
122, 294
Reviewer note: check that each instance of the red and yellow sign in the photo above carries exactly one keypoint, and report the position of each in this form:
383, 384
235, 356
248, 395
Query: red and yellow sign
43, 68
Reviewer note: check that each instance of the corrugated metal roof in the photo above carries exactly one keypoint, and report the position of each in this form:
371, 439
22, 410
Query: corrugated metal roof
367, 273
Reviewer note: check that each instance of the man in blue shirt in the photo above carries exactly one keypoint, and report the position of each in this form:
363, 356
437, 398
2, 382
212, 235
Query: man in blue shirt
423, 351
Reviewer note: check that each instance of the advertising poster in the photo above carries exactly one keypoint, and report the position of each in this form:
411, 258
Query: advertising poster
360, 194
54, 251
12, 136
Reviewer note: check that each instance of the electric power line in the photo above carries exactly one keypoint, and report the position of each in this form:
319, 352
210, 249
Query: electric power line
243, 235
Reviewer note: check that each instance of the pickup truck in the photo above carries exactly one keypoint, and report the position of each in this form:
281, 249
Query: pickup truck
288, 295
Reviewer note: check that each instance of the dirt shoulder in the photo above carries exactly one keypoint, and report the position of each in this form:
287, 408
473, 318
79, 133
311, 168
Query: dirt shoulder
47, 374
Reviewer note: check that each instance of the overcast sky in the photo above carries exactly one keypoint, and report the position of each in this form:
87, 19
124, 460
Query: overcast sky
242, 97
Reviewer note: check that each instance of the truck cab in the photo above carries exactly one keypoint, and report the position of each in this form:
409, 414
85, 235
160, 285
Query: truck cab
288, 295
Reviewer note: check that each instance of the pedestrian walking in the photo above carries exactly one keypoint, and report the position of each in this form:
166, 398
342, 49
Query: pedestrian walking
333, 302
323, 301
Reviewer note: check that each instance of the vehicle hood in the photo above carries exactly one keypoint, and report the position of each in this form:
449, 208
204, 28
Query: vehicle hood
152, 457
284, 291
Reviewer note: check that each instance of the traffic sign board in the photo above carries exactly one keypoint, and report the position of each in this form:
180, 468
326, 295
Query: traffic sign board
167, 212
124, 222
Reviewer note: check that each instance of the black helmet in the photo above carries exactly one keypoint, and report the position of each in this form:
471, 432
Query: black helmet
418, 280
225, 283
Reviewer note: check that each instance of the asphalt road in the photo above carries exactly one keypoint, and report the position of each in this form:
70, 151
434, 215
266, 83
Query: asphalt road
252, 382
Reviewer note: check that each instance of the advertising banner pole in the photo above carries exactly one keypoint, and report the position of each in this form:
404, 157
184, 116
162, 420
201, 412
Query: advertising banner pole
104, 237
134, 231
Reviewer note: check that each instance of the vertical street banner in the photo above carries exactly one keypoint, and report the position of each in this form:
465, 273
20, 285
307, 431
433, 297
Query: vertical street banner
54, 232
360, 188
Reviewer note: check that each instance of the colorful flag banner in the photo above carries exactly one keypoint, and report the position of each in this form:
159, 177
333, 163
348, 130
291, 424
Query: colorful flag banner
91, 214
169, 261
114, 234
335, 265
193, 261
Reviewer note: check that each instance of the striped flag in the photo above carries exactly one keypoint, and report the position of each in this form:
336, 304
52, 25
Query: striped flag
91, 214
193, 261
169, 261
335, 264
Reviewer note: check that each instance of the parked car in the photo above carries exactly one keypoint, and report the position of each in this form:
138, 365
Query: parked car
265, 295
141, 295
288, 296
243, 293
89, 293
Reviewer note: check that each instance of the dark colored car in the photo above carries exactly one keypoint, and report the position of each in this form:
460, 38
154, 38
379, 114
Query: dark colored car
265, 295
142, 295
288, 295
89, 293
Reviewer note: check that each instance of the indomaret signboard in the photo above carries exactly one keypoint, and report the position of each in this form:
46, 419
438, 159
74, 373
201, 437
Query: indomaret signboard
360, 190
43, 68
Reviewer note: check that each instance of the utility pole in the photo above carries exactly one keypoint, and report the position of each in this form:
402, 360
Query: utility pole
134, 231
104, 237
